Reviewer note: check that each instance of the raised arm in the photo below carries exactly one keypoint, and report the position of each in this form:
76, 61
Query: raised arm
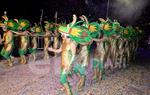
85, 19
74, 20
81, 17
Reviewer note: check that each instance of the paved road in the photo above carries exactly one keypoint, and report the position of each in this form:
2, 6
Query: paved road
42, 78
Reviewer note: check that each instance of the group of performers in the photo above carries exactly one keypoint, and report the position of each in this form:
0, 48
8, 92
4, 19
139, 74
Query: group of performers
113, 41
27, 38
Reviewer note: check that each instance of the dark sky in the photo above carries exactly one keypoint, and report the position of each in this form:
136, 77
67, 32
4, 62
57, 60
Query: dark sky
30, 9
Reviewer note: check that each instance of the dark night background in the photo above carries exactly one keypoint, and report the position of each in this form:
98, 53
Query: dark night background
30, 9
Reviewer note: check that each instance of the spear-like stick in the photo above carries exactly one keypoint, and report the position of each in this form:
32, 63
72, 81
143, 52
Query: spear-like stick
41, 17
55, 16
107, 11
55, 44
40, 23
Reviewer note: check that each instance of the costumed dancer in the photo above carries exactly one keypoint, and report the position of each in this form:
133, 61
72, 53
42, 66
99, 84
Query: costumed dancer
35, 31
137, 35
47, 36
68, 50
120, 51
56, 34
111, 43
8, 40
102, 50
99, 54
123, 46
83, 55
73, 35
114, 38
24, 38
56, 39
133, 43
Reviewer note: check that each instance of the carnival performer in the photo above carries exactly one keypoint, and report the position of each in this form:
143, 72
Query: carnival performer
35, 31
113, 39
137, 35
8, 39
24, 38
68, 50
73, 35
47, 35
83, 55
101, 51
56, 39
123, 47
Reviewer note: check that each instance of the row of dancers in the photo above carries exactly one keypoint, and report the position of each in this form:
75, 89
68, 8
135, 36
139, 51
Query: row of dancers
113, 41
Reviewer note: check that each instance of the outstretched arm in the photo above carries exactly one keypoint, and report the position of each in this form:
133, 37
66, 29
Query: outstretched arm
55, 50
34, 35
18, 33
99, 40
87, 43
29, 33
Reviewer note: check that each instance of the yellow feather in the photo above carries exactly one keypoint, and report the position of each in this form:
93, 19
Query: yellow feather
107, 27
125, 32
37, 29
92, 28
1, 24
75, 32
22, 24
10, 24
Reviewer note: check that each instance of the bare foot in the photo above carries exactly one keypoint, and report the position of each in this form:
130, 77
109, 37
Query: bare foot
62, 88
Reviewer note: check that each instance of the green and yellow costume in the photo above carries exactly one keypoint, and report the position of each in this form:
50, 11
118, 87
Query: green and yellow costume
84, 51
24, 39
102, 51
8, 26
114, 38
35, 31
77, 34
48, 30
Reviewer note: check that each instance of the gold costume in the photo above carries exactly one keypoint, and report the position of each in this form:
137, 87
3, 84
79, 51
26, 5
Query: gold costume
46, 45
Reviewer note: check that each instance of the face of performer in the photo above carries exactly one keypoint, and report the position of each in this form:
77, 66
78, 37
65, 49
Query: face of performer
4, 28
